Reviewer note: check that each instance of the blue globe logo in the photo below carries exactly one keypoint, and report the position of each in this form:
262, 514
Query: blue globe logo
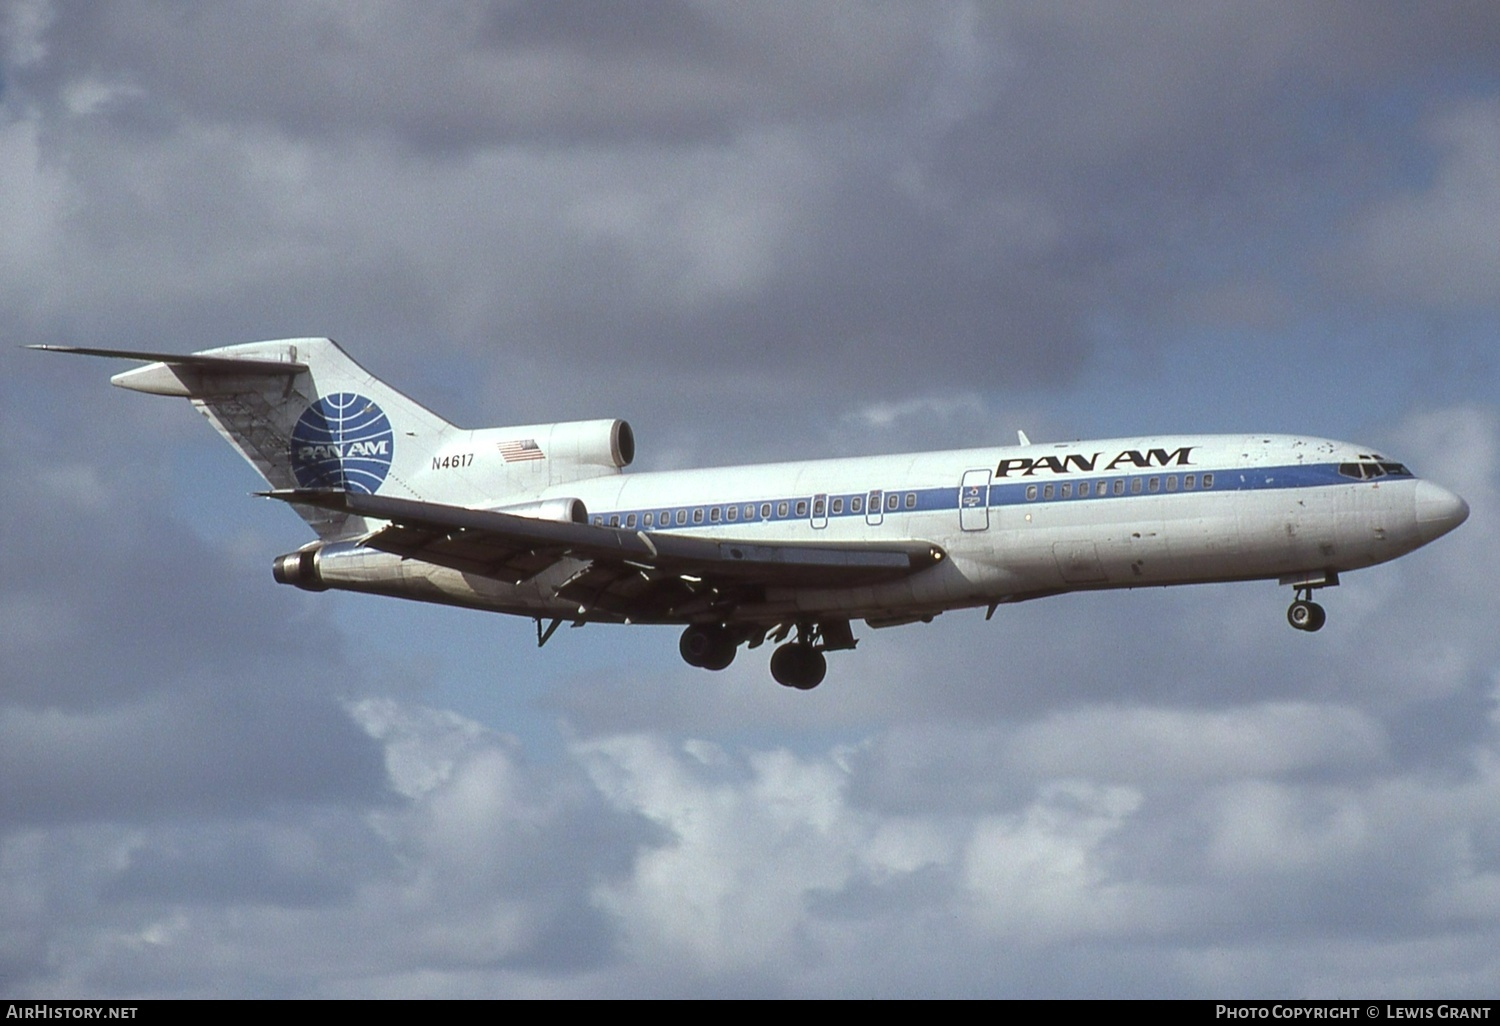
342, 441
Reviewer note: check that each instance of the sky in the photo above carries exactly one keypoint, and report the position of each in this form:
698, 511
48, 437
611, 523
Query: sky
759, 231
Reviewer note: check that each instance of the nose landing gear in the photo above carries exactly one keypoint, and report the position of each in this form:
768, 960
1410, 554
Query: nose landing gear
1305, 614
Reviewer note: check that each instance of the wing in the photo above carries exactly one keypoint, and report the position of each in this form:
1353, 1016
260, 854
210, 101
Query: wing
637, 575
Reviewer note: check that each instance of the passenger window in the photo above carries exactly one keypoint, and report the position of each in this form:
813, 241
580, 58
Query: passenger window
1189, 481
646, 520
698, 515
911, 500
598, 521
765, 511
1119, 487
1030, 492
750, 511
1208, 480
1135, 486
614, 521
857, 504
681, 517
666, 518
838, 506
781, 509
1154, 485
802, 507
1171, 482
733, 512
1046, 491
1101, 487
892, 501
1067, 491
630, 520
818, 507
713, 515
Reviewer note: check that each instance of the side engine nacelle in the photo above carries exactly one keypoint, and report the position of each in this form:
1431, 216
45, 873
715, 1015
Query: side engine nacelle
564, 511
349, 561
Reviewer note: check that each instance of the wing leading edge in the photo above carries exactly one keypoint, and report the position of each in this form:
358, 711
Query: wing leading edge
628, 573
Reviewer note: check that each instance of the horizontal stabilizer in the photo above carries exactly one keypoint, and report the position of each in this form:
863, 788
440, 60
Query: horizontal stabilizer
238, 365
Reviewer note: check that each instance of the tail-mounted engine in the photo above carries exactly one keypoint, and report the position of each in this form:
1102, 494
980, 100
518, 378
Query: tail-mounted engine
299, 569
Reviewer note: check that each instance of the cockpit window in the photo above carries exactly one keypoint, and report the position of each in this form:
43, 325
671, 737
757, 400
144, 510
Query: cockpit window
1366, 471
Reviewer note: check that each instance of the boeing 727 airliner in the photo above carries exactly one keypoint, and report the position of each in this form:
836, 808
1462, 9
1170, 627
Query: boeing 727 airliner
540, 520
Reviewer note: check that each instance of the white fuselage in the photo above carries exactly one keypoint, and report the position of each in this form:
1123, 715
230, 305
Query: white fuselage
1015, 522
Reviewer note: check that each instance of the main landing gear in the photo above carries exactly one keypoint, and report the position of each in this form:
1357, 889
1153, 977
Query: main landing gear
709, 645
796, 664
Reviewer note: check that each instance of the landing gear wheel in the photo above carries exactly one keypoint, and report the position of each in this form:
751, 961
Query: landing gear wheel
709, 646
1306, 615
1319, 617
800, 666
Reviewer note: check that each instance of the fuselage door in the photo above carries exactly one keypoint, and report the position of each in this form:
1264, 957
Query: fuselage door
820, 511
974, 501
875, 507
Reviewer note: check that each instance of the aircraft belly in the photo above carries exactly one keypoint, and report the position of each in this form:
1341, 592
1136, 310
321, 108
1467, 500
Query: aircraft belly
954, 583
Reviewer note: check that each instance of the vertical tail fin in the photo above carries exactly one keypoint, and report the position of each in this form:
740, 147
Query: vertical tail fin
304, 415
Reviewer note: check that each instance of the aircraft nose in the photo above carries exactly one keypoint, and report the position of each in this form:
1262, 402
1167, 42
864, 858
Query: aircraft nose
1438, 510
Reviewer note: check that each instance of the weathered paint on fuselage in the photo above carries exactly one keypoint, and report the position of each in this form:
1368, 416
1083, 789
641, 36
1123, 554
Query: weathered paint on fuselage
1158, 511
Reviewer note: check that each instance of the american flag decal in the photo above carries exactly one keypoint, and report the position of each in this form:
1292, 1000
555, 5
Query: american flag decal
523, 449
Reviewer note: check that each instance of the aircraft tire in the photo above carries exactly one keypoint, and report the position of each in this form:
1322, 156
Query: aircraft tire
1306, 616
1319, 618
799, 666
708, 646
721, 655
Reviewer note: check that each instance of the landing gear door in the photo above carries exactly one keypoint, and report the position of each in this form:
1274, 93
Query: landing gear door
974, 501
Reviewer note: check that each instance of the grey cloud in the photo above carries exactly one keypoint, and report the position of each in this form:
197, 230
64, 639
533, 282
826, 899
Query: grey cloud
452, 76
